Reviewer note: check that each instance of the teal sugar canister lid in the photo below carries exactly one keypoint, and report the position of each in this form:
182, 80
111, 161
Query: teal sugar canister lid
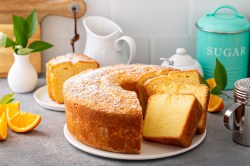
223, 22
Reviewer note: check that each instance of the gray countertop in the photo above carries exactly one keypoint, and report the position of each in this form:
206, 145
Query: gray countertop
46, 144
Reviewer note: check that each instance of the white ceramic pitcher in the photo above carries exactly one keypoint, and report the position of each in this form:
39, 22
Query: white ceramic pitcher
104, 42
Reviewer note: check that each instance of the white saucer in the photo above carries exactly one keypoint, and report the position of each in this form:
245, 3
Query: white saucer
149, 150
42, 98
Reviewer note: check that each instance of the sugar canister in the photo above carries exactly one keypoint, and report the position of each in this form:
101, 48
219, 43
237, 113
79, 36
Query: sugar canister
225, 36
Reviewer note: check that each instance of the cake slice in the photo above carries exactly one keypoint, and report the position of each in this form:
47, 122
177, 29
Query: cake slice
140, 82
59, 69
201, 91
172, 119
181, 77
148, 86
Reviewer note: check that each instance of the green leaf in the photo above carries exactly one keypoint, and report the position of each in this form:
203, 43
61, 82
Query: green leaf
3, 39
203, 81
38, 46
220, 75
24, 51
10, 101
7, 98
10, 43
32, 22
21, 29
216, 91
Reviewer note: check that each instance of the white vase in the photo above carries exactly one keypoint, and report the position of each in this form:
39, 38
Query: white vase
22, 76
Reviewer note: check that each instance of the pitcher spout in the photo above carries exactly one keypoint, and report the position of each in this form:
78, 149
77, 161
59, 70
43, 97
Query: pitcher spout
101, 27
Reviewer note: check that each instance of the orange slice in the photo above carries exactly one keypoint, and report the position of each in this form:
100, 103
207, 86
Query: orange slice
215, 103
2, 108
211, 82
14, 105
3, 127
20, 121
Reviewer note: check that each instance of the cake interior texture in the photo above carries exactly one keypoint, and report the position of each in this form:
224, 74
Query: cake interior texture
140, 93
178, 77
200, 91
171, 119
59, 69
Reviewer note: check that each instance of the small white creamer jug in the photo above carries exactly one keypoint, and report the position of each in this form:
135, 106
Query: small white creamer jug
104, 42
181, 60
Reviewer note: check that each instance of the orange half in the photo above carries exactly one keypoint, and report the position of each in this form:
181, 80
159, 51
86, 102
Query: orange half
20, 121
215, 103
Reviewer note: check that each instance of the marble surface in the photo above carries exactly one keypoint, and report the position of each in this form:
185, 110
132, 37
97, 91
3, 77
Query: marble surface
46, 144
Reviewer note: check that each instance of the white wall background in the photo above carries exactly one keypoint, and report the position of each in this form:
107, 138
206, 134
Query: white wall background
158, 26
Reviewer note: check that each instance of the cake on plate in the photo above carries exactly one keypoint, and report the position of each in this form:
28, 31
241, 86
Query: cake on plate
103, 109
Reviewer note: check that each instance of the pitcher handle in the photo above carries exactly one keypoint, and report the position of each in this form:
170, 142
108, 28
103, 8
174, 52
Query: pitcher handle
228, 113
131, 44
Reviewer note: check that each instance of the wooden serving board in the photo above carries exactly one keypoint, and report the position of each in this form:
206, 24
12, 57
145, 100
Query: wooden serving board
23, 8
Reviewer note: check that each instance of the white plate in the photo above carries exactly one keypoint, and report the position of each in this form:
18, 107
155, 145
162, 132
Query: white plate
42, 97
149, 150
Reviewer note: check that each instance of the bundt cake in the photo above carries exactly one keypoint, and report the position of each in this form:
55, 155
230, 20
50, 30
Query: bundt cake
102, 109
59, 69
201, 91
172, 119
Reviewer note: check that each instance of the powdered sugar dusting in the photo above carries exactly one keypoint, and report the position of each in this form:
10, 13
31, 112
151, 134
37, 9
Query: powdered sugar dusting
101, 88
71, 57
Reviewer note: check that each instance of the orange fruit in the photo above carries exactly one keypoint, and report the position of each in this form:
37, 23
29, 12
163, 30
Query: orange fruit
215, 103
211, 82
14, 105
20, 121
2, 109
3, 127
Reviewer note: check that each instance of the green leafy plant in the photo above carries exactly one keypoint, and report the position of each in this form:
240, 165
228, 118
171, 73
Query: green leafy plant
24, 29
220, 76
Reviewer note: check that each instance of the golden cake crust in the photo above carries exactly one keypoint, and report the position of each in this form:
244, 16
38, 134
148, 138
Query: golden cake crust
102, 108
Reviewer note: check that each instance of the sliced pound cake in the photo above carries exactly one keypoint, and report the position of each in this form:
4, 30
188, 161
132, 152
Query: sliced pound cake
59, 69
148, 86
201, 91
179, 77
141, 81
172, 119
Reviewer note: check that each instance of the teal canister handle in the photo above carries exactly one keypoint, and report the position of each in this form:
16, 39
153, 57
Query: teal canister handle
236, 13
